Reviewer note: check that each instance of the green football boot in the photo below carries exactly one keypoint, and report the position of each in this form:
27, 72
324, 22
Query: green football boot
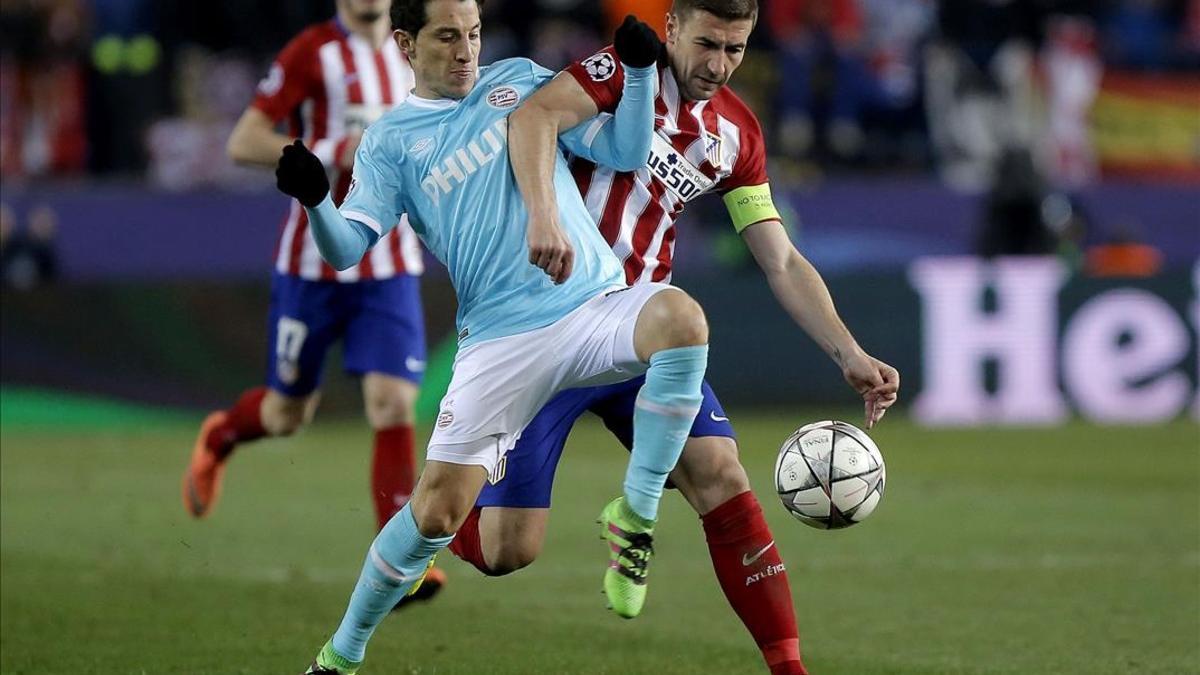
329, 662
630, 548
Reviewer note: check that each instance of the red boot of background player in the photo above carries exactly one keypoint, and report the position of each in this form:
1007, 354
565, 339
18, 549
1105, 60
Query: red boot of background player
219, 434
202, 480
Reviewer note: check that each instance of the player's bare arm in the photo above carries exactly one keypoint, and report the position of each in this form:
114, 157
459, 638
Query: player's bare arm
255, 142
533, 135
802, 292
533, 131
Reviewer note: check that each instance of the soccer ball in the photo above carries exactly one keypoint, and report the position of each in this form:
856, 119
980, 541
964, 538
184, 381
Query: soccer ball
829, 475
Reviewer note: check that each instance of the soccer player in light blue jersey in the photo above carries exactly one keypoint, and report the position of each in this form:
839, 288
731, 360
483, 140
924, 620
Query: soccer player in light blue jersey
542, 302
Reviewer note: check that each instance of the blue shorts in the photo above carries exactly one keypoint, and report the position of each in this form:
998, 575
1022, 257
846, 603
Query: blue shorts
380, 323
525, 476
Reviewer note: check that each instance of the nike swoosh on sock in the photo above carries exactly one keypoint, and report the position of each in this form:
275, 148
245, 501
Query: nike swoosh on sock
748, 559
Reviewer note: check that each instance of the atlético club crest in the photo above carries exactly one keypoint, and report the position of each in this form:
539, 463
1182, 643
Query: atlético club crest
712, 148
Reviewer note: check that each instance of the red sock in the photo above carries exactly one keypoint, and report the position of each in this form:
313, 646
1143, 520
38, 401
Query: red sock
393, 471
243, 423
757, 590
467, 545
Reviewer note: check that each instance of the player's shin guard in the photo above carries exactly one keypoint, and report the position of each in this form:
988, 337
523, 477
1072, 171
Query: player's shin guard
666, 406
397, 559
393, 471
754, 580
243, 422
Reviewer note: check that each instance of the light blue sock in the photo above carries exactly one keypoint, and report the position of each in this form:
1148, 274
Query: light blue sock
397, 558
666, 406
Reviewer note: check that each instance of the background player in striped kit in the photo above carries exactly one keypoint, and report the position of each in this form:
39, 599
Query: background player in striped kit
706, 140
328, 84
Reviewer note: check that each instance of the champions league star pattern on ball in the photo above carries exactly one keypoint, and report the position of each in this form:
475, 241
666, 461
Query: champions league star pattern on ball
830, 475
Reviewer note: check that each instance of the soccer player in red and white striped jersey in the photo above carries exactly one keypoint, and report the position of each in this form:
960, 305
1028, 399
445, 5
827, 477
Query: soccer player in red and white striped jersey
702, 145
706, 140
327, 85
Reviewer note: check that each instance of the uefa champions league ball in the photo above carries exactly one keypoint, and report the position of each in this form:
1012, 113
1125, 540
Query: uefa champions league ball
829, 475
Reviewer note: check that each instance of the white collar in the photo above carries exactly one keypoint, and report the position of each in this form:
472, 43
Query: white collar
431, 103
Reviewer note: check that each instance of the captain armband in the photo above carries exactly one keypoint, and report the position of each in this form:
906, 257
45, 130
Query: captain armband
749, 205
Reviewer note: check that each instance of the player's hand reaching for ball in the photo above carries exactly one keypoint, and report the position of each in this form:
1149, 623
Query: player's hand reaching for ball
300, 174
549, 248
876, 381
636, 43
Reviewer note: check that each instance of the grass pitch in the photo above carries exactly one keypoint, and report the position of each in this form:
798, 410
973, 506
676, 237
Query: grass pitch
1074, 550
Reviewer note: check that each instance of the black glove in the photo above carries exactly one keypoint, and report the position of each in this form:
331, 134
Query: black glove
301, 175
636, 43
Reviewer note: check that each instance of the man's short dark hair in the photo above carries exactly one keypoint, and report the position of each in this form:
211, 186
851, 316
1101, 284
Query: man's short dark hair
410, 15
729, 10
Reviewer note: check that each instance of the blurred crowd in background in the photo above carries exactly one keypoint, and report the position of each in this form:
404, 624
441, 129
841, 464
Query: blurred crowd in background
991, 96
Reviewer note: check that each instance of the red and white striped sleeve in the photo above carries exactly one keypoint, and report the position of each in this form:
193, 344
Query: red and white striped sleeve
289, 81
747, 190
602, 76
751, 166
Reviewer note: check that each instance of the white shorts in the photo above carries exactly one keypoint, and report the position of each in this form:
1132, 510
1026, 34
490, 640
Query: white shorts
499, 385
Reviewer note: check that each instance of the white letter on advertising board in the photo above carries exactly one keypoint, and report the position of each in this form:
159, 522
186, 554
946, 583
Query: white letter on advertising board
1123, 381
958, 337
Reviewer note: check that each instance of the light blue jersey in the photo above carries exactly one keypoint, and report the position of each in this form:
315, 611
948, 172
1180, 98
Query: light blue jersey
445, 163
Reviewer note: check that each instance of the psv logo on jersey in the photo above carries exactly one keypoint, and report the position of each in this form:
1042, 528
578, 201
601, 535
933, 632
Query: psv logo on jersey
503, 97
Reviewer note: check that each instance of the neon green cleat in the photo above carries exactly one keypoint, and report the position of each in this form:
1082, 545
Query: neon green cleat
630, 549
329, 662
432, 580
424, 575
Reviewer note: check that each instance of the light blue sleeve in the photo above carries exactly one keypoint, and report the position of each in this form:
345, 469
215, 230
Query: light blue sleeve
368, 212
622, 140
375, 189
541, 74
341, 241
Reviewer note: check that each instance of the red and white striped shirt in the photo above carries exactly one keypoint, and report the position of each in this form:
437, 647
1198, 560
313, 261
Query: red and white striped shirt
329, 83
699, 147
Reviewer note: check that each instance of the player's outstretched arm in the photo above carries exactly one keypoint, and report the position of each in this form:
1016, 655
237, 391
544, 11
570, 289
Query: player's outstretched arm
341, 241
622, 140
802, 292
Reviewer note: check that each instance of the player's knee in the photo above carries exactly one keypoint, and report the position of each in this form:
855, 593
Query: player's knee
728, 476
389, 411
686, 325
389, 400
511, 557
670, 319
285, 420
437, 522
709, 473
